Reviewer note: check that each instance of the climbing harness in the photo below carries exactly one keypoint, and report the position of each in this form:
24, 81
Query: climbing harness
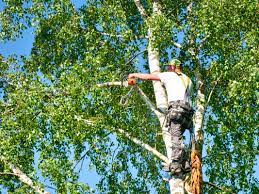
186, 86
182, 112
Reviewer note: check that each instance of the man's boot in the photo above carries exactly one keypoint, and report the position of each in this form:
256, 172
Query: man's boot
187, 166
174, 167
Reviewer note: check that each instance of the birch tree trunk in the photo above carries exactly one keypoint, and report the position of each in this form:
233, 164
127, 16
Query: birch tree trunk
176, 184
196, 156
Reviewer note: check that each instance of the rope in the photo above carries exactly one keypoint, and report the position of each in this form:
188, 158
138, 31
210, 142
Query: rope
196, 181
125, 99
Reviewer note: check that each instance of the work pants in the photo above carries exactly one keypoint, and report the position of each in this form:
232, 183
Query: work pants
179, 119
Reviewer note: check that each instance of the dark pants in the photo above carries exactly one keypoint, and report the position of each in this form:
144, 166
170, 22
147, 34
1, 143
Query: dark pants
179, 119
176, 133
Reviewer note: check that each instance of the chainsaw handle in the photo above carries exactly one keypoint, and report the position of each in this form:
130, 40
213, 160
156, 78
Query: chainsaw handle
131, 81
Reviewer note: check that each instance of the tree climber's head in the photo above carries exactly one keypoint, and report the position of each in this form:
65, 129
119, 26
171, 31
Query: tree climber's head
175, 65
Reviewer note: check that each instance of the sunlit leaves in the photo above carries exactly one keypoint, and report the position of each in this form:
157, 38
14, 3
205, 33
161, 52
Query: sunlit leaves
53, 115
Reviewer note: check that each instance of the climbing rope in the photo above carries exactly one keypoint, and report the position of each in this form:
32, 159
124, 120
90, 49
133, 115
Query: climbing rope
125, 99
196, 180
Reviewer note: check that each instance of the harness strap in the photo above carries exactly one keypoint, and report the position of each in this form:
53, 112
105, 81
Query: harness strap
188, 80
186, 86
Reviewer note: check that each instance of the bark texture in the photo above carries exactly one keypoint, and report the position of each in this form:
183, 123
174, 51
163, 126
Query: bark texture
23, 177
196, 156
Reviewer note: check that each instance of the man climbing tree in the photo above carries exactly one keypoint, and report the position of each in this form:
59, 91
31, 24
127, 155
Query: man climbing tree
179, 113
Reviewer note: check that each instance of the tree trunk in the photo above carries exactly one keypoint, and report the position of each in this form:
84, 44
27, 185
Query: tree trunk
198, 143
176, 184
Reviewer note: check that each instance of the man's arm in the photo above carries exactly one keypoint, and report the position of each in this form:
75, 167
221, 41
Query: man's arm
144, 76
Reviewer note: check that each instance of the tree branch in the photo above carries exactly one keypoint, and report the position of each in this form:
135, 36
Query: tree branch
50, 187
135, 56
220, 188
115, 83
82, 158
149, 103
141, 9
177, 45
211, 92
145, 146
23, 177
137, 141
7, 173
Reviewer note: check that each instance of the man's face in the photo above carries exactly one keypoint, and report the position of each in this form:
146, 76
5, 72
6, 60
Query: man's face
171, 68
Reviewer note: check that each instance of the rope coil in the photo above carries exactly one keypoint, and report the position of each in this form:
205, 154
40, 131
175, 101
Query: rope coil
196, 181
125, 99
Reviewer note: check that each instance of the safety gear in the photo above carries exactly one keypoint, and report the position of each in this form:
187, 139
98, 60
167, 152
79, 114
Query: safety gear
175, 62
181, 112
175, 168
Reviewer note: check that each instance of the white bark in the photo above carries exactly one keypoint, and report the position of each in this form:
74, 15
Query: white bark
176, 184
149, 103
115, 83
145, 146
199, 114
141, 9
23, 177
160, 94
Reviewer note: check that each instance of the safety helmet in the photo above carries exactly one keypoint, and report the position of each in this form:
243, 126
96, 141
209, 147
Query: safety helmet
175, 62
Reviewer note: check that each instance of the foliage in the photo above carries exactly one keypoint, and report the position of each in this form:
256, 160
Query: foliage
53, 115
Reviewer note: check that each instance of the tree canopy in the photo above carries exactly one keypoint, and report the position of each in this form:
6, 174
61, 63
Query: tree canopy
54, 115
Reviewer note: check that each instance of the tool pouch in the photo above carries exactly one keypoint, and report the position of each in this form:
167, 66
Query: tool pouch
180, 112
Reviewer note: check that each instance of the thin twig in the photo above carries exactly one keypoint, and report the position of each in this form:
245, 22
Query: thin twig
220, 188
211, 92
82, 163
135, 57
114, 154
80, 160
50, 187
